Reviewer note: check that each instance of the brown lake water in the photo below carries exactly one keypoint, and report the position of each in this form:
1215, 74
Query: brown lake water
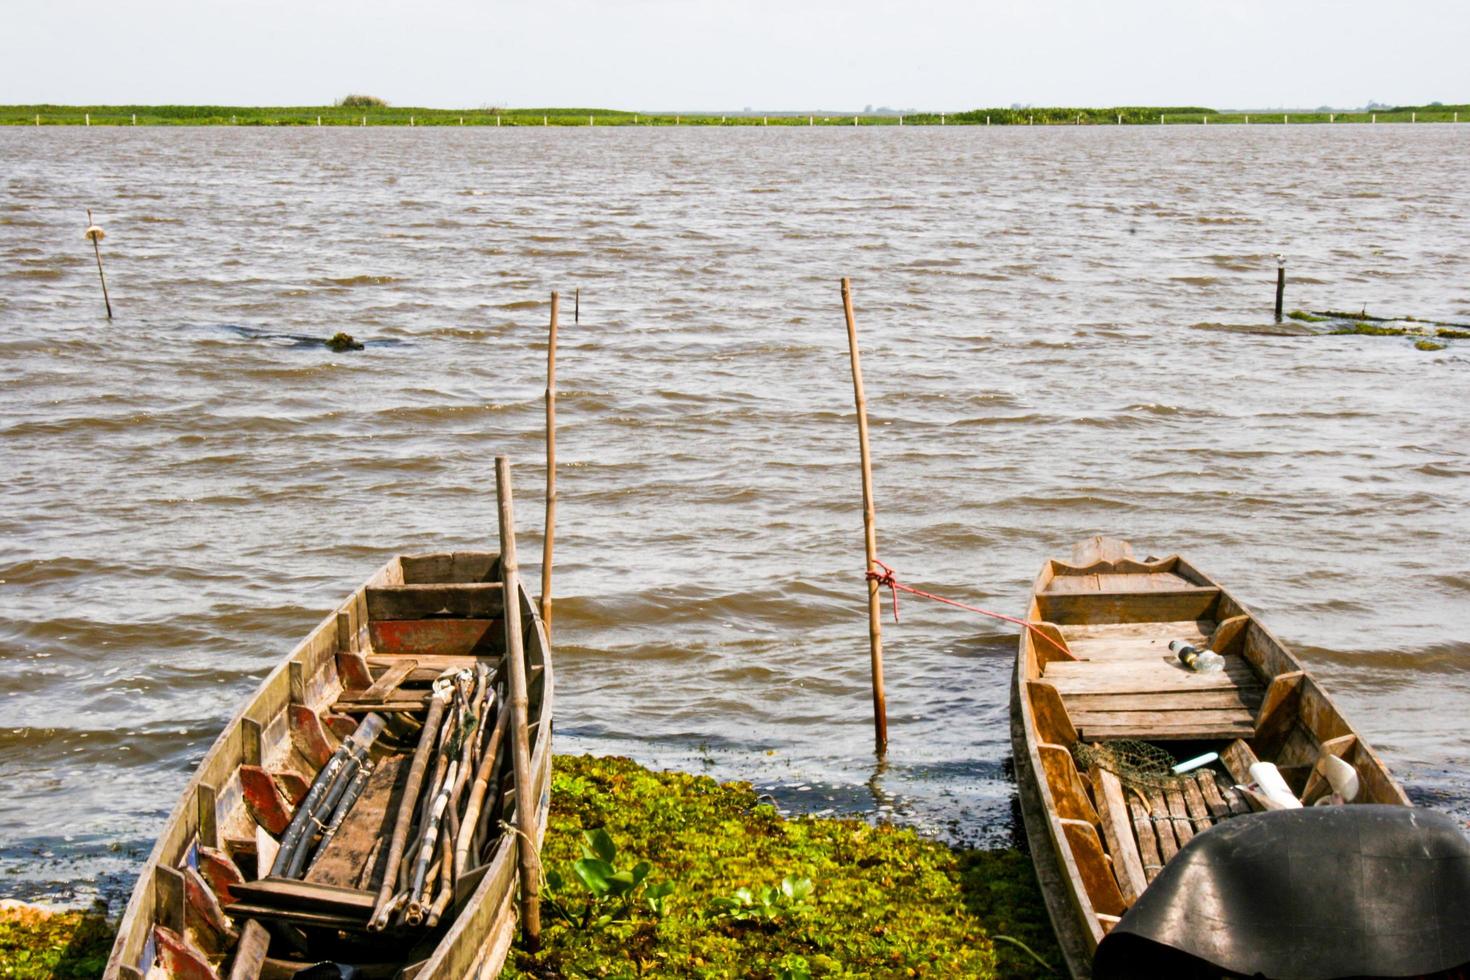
184, 492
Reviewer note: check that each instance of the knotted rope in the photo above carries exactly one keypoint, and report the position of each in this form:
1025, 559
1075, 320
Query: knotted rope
889, 578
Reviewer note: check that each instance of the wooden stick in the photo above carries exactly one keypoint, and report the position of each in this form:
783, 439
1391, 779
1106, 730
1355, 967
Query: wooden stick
406, 807
520, 710
1280, 284
550, 469
870, 532
95, 234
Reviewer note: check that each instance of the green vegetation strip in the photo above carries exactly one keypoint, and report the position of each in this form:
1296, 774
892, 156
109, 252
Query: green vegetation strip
366, 110
669, 874
714, 883
37, 945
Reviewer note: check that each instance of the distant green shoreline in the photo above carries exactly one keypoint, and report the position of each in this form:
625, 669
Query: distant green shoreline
146, 115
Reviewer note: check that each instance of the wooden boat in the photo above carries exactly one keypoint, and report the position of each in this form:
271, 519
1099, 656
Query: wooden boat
1102, 672
216, 899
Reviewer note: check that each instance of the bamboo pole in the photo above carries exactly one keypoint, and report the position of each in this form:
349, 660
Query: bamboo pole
870, 530
404, 820
530, 861
95, 235
546, 544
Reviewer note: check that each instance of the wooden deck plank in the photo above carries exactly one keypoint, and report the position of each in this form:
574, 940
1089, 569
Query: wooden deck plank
1148, 841
1073, 583
1141, 677
1113, 809
1194, 800
1210, 790
1240, 698
1168, 630
370, 818
1177, 733
1158, 811
1179, 810
1063, 608
480, 600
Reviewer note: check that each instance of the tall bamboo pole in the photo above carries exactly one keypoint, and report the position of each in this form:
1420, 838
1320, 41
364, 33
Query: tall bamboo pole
546, 543
530, 862
870, 529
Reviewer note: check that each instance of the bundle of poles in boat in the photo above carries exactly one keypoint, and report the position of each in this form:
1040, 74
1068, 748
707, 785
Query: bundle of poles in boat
443, 824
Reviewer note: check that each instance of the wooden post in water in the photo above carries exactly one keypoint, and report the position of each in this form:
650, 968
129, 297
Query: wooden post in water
550, 468
577, 305
1280, 284
870, 530
526, 802
95, 235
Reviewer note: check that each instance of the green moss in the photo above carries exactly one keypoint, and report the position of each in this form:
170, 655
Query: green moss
886, 902
39, 945
1306, 317
1427, 344
1449, 334
1370, 330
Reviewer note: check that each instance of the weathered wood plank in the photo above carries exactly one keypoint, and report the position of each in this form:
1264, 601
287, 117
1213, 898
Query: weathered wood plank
1245, 698
461, 600
1219, 809
1163, 823
1193, 602
250, 952
369, 820
1179, 810
1067, 790
1177, 733
263, 799
1143, 678
1185, 629
455, 637
1238, 759
1092, 865
385, 686
1194, 801
1052, 722
1113, 809
307, 895
459, 566
1148, 841
1100, 547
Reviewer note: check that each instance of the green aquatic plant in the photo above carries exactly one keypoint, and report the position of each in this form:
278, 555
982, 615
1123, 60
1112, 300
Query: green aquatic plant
891, 903
1306, 317
1426, 344
340, 342
36, 944
611, 891
768, 904
1370, 330
1448, 334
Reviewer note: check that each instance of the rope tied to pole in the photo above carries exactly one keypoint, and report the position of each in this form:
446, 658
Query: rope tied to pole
888, 579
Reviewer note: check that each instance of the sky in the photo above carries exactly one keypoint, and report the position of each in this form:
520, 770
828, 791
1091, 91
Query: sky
654, 55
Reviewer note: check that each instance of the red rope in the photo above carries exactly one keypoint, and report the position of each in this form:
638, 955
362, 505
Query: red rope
888, 577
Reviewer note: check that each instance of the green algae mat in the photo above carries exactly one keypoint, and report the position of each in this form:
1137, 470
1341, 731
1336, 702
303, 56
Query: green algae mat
666, 874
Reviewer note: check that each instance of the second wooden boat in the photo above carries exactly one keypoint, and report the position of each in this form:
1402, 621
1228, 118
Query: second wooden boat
377, 751
1143, 861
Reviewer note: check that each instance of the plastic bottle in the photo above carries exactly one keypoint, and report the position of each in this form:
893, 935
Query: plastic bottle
1200, 661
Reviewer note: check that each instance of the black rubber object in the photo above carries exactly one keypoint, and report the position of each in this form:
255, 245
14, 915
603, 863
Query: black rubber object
1312, 894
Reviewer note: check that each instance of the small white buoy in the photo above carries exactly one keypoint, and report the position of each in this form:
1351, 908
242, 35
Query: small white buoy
1341, 776
94, 233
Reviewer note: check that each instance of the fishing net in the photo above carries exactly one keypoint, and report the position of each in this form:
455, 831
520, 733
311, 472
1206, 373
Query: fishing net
1135, 763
